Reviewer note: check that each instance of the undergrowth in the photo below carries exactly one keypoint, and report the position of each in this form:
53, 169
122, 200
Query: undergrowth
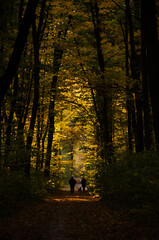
132, 183
15, 189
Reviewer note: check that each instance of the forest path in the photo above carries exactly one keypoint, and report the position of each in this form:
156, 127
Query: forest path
69, 216
79, 216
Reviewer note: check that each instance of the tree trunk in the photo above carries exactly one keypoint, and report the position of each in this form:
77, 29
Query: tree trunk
103, 96
43, 146
1, 162
135, 71
21, 39
144, 70
43, 132
58, 52
36, 42
35, 107
38, 143
128, 91
21, 114
10, 120
152, 46
13, 104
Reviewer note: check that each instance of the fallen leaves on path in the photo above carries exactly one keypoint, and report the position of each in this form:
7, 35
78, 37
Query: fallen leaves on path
71, 217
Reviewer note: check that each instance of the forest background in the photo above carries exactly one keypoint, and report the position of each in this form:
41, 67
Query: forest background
79, 95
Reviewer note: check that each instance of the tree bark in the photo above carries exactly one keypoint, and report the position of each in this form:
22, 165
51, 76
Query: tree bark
13, 104
21, 39
58, 52
103, 96
38, 142
10, 120
135, 72
36, 42
152, 46
129, 100
145, 83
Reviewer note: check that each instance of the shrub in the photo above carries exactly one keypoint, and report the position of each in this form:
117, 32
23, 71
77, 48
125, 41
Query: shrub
132, 182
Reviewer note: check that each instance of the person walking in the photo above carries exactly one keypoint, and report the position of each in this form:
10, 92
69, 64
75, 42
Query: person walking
83, 182
72, 183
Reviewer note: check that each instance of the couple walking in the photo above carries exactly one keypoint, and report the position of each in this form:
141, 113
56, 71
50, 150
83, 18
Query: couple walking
72, 183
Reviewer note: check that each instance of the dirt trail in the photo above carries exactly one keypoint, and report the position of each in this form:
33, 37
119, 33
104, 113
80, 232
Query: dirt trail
69, 216
78, 216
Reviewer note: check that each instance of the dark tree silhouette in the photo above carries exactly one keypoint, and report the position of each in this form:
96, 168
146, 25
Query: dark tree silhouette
21, 39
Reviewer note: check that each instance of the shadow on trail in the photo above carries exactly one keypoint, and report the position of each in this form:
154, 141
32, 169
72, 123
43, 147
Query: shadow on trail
78, 216
81, 216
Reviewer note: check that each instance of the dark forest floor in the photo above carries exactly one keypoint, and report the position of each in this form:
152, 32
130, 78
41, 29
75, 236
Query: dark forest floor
75, 216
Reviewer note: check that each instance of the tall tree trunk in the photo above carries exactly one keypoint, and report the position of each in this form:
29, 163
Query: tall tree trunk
130, 104
21, 39
34, 108
103, 96
10, 120
13, 103
129, 100
58, 52
38, 142
36, 42
135, 71
21, 114
1, 162
43, 132
43, 146
149, 12
145, 83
